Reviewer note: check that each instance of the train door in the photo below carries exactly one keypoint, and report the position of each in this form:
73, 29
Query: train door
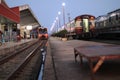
86, 29
85, 25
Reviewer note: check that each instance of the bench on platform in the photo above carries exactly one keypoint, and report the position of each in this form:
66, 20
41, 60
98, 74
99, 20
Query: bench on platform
98, 53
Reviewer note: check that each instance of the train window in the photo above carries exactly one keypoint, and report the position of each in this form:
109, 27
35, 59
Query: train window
96, 24
104, 23
81, 23
117, 17
109, 19
90, 23
42, 31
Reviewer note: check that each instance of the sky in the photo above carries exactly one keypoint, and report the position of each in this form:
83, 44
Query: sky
46, 11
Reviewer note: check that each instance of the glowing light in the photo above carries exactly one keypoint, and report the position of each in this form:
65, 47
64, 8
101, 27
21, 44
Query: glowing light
63, 4
59, 13
29, 27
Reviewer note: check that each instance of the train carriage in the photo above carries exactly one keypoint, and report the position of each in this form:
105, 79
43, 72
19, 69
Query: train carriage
70, 27
108, 26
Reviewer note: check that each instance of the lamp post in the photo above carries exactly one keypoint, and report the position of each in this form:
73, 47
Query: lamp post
56, 24
69, 21
63, 9
59, 18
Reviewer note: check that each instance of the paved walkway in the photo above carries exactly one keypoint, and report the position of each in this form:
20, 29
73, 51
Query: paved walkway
60, 59
60, 63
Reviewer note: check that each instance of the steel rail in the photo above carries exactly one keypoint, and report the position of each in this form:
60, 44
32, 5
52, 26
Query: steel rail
5, 59
24, 62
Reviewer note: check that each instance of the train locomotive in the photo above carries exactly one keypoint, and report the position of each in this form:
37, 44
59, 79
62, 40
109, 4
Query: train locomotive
108, 26
82, 27
42, 33
88, 26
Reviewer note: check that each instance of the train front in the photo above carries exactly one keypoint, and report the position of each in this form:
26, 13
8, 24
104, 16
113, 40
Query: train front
84, 26
42, 33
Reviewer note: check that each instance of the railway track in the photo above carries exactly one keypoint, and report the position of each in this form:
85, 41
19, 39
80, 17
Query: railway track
12, 67
117, 42
4, 58
10, 51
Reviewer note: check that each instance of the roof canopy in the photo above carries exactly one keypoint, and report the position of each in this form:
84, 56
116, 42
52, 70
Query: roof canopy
27, 17
12, 14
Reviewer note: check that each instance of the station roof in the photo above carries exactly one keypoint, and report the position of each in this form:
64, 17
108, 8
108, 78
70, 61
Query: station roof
27, 17
22, 15
7, 14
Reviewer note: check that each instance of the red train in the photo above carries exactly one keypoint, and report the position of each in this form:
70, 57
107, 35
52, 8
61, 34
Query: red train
87, 26
83, 25
42, 33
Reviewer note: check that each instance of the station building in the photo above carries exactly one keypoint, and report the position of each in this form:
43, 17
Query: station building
16, 22
28, 22
9, 19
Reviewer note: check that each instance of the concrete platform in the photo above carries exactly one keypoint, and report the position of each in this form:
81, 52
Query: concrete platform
10, 46
60, 63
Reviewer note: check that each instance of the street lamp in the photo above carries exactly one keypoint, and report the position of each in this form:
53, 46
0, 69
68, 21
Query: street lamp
52, 29
69, 21
70, 25
63, 9
59, 18
56, 24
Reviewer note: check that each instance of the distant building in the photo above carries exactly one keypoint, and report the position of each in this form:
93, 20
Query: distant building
28, 21
9, 18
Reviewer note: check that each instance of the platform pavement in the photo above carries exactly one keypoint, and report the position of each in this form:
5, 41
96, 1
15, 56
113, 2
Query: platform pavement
11, 44
8, 47
60, 63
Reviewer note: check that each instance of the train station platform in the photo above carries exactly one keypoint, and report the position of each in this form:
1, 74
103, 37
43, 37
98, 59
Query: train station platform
9, 46
60, 63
